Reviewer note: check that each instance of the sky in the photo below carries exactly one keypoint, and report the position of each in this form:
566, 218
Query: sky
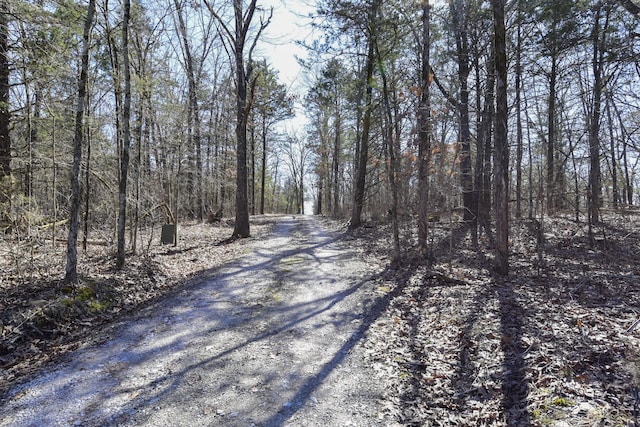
289, 24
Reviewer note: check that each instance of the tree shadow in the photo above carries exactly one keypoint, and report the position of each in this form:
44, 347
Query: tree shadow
134, 380
512, 322
515, 385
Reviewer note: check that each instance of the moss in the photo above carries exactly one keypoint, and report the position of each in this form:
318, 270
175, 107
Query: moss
563, 402
85, 293
96, 306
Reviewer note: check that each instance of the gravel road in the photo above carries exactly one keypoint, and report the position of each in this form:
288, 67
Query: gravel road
269, 340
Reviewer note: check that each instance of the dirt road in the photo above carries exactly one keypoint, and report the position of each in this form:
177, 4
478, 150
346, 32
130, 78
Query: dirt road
269, 340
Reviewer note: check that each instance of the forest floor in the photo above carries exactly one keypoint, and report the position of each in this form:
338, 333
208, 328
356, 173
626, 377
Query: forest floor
556, 343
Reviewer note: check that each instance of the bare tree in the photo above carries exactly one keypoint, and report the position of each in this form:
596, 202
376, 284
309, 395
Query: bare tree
363, 153
424, 134
5, 141
460, 22
237, 38
501, 142
126, 137
71, 273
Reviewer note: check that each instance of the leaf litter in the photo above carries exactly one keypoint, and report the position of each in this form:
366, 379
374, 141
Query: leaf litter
42, 318
553, 344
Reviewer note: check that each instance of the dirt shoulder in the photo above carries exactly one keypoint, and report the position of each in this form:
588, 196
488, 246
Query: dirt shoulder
271, 339
42, 319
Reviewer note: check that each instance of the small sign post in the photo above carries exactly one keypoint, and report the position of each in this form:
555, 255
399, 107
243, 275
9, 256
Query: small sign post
168, 235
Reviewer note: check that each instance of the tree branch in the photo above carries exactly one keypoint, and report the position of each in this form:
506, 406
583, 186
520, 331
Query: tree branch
219, 19
631, 7
446, 94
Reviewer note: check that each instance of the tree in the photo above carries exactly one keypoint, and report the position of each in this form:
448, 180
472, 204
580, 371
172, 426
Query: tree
518, 108
363, 157
326, 101
126, 137
460, 20
271, 104
297, 157
501, 142
71, 274
192, 68
5, 115
559, 27
424, 132
598, 40
238, 38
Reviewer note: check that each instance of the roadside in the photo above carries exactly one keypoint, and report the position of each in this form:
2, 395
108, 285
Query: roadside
41, 318
315, 331
271, 339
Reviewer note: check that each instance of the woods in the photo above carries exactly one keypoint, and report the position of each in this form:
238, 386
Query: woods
404, 124
459, 127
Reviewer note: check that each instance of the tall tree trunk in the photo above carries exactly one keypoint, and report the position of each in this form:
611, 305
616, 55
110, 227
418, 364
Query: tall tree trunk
237, 37
501, 142
551, 136
252, 169
71, 270
126, 138
388, 132
336, 163
614, 158
598, 40
482, 186
361, 170
263, 171
194, 110
5, 115
424, 134
518, 107
628, 183
87, 191
241, 228
462, 46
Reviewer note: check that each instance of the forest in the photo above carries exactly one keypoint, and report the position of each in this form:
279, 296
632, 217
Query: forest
503, 131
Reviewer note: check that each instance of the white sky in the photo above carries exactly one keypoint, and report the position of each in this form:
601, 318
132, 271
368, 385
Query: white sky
290, 24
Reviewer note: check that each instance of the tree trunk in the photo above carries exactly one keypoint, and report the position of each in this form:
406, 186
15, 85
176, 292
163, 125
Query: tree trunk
518, 107
598, 40
482, 186
252, 168
462, 46
361, 171
501, 142
5, 114
71, 272
241, 228
126, 138
336, 163
614, 158
551, 136
424, 135
194, 110
87, 192
393, 166
237, 37
263, 172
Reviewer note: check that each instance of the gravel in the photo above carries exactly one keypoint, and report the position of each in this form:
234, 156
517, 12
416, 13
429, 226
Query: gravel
272, 339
